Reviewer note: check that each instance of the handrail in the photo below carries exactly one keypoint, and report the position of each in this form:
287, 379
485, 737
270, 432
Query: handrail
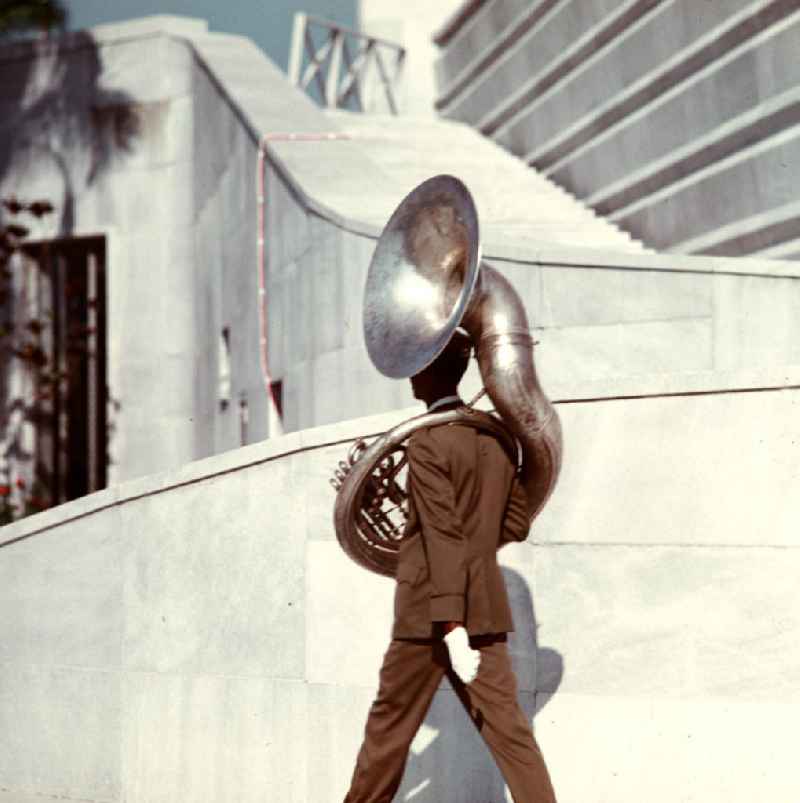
342, 76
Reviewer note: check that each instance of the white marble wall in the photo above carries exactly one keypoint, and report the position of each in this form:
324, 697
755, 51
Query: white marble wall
199, 635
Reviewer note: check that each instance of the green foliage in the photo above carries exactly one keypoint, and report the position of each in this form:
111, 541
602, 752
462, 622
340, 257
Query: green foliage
18, 496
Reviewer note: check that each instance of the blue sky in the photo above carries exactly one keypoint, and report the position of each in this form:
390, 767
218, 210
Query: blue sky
267, 22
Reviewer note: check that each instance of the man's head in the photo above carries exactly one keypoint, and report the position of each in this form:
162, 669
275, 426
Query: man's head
442, 376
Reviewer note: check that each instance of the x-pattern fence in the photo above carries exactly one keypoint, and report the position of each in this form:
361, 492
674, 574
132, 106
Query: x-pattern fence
345, 66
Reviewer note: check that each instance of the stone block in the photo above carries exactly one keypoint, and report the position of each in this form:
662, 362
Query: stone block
288, 230
588, 297
237, 192
701, 739
198, 737
663, 621
137, 199
721, 465
62, 598
325, 294
367, 389
356, 254
344, 383
61, 731
156, 443
144, 401
168, 255
299, 315
289, 757
756, 322
180, 203
211, 592
346, 633
625, 349
145, 69
313, 468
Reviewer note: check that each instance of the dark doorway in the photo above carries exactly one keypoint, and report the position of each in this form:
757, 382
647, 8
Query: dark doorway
66, 320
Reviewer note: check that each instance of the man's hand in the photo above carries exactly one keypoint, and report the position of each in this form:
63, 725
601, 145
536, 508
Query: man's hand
463, 658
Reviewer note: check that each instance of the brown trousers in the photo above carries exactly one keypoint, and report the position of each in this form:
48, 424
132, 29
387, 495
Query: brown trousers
411, 673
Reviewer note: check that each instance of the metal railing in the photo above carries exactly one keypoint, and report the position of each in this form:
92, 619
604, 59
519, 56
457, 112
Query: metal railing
347, 68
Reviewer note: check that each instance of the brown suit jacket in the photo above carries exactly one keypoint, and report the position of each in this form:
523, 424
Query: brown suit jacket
464, 503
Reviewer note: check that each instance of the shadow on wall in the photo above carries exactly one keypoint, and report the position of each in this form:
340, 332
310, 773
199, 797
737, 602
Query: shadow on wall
60, 131
454, 763
59, 128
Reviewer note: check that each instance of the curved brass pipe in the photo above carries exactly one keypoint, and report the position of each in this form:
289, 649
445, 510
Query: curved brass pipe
495, 319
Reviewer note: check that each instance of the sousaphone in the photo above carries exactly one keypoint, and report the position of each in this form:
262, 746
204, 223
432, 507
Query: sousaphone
426, 279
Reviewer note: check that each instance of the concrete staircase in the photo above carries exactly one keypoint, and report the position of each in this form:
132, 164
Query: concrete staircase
359, 181
508, 193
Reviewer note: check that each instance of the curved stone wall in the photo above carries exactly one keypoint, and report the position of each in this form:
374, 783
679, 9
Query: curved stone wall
199, 635
678, 120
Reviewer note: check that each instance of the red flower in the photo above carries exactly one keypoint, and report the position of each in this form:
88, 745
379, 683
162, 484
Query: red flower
5, 490
20, 483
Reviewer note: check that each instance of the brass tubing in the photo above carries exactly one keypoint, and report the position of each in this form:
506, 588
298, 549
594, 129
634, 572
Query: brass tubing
495, 319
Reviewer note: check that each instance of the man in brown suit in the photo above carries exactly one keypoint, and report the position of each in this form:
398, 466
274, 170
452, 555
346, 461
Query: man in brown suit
451, 611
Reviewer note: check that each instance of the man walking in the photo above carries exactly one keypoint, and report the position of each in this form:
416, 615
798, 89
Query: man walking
451, 611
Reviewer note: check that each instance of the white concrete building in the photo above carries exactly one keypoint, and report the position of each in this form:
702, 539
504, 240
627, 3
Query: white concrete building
196, 624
